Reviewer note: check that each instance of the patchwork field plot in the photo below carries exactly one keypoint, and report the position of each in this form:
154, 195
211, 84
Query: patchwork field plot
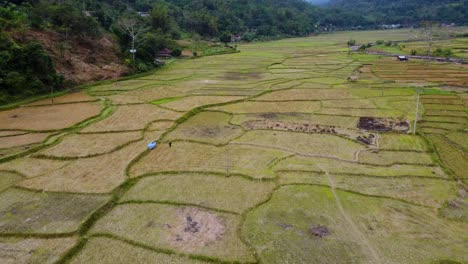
354, 168
270, 107
32, 167
209, 127
100, 174
47, 117
234, 194
110, 251
290, 151
459, 138
296, 118
306, 223
403, 142
65, 99
25, 212
132, 117
320, 145
184, 156
417, 71
454, 158
428, 192
31, 250
306, 94
8, 179
84, 145
22, 139
395, 157
188, 230
189, 103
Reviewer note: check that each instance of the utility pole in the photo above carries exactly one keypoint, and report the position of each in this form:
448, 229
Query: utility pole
133, 51
133, 27
417, 112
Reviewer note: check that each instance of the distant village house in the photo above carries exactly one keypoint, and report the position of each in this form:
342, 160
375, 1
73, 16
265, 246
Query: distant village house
402, 58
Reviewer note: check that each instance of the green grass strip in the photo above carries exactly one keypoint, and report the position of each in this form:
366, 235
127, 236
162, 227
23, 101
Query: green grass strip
165, 100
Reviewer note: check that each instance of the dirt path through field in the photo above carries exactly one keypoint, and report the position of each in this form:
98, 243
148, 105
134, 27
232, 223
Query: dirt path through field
371, 253
375, 148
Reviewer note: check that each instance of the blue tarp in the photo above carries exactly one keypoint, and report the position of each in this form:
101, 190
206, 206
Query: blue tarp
152, 145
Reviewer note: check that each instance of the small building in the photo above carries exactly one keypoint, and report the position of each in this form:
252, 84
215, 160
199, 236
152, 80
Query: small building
236, 38
402, 58
159, 62
144, 14
164, 54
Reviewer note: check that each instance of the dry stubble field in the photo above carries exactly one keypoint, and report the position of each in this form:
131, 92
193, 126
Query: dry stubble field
269, 155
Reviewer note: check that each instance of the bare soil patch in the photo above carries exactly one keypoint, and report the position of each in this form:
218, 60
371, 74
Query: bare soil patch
48, 117
319, 231
87, 60
383, 124
196, 228
178, 229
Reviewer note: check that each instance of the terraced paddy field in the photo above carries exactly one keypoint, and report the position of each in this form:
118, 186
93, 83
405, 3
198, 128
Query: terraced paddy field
270, 155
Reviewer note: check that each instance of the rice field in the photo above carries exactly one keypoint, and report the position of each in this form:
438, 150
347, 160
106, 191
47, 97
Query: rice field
269, 155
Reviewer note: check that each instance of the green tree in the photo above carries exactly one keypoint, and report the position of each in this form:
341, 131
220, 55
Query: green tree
160, 19
225, 37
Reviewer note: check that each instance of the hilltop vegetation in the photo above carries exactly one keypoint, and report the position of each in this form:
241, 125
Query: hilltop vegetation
268, 155
405, 12
50, 45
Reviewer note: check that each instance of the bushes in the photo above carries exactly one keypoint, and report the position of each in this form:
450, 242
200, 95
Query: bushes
65, 18
25, 70
351, 42
439, 52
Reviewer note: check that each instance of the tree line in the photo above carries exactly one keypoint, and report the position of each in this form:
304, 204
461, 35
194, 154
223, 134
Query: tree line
26, 68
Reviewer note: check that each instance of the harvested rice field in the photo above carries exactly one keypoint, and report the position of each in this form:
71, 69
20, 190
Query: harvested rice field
33, 250
132, 117
45, 118
269, 155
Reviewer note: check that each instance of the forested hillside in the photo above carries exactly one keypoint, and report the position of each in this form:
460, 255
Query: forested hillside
48, 45
405, 12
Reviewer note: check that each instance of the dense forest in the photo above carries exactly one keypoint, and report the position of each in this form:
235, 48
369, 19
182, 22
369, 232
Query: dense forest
405, 12
26, 68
